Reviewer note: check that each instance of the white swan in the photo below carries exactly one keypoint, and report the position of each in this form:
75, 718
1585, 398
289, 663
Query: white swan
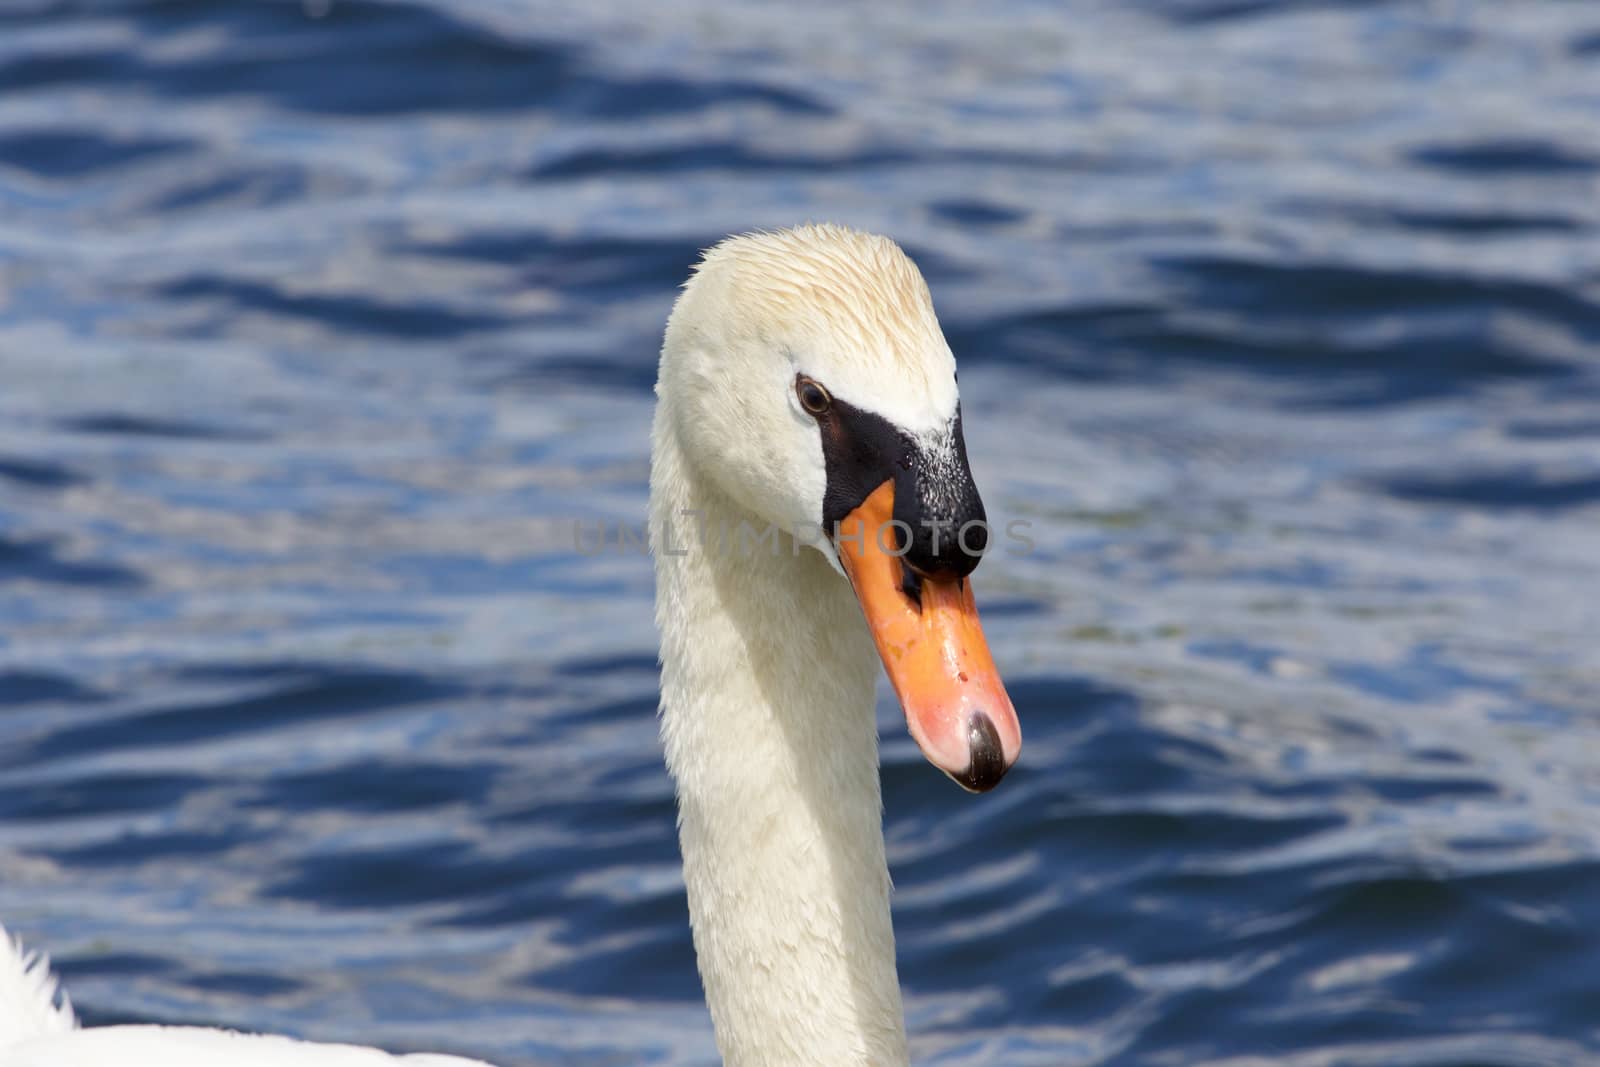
804, 385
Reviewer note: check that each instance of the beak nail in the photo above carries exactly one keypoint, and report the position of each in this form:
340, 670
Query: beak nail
988, 764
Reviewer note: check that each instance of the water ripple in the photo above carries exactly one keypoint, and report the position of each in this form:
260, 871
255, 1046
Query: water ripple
321, 324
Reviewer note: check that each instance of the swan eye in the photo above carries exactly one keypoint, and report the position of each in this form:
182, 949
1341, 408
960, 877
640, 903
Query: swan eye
813, 397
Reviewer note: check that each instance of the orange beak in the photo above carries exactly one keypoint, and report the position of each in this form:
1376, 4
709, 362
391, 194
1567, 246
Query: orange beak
935, 653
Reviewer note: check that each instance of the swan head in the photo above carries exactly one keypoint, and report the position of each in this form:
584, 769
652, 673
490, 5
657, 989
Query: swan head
807, 377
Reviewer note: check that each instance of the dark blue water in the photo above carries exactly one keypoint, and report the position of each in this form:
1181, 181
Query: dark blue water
1280, 322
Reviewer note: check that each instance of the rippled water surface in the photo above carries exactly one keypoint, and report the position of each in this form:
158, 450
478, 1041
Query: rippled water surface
319, 326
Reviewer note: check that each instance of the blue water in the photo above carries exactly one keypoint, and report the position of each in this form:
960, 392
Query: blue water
321, 324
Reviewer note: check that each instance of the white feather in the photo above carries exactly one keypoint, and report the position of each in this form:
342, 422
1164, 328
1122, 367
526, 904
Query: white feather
29, 1004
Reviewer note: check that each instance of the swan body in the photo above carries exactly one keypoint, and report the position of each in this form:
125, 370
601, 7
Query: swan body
38, 1028
807, 401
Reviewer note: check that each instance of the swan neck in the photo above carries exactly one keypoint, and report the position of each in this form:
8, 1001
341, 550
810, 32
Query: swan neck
767, 723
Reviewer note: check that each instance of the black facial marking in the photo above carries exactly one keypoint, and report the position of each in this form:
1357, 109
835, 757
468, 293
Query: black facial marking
911, 585
934, 495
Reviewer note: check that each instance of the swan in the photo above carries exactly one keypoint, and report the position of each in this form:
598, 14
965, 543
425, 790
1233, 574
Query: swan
812, 515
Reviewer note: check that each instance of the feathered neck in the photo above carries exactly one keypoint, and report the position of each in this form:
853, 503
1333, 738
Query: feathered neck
767, 721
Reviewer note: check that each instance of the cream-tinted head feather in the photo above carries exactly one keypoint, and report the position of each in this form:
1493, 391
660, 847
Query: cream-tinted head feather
849, 309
